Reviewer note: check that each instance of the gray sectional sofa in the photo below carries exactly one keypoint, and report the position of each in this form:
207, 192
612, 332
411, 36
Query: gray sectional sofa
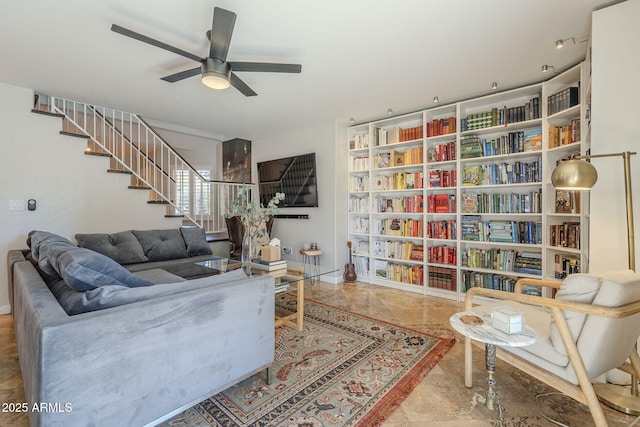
105, 343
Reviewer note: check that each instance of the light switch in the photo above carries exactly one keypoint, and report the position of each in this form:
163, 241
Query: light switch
16, 205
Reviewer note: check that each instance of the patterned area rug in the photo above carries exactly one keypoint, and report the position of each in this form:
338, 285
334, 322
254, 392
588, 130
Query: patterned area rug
344, 369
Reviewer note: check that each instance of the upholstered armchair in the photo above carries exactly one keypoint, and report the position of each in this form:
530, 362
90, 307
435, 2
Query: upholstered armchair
588, 328
235, 229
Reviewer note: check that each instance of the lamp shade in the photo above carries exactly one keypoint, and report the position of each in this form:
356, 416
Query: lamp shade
574, 175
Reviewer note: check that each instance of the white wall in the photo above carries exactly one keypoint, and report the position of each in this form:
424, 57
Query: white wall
74, 193
616, 108
325, 222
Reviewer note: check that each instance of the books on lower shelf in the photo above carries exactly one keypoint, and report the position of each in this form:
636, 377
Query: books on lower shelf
269, 265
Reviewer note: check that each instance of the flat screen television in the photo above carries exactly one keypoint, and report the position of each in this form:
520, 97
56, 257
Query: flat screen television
294, 176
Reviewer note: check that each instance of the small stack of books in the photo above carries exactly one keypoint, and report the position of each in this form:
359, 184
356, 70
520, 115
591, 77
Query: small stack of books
261, 264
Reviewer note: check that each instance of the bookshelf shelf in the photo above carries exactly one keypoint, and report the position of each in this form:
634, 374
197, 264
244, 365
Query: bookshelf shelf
490, 136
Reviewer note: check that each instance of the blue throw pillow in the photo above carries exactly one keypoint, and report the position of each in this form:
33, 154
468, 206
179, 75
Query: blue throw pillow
84, 269
40, 242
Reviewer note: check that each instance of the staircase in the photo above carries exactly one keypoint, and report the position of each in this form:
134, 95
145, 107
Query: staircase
134, 148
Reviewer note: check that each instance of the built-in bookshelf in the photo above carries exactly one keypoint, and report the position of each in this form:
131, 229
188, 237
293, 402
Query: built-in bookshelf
460, 195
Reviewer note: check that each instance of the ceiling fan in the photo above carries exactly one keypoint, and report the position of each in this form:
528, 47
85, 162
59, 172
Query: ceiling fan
216, 72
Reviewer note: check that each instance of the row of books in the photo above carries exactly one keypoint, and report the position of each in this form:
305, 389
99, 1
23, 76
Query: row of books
442, 254
502, 116
470, 147
565, 265
526, 232
406, 204
399, 181
444, 126
398, 227
362, 266
442, 152
359, 141
411, 274
492, 258
441, 203
397, 249
514, 142
514, 203
529, 263
566, 235
502, 173
359, 163
359, 183
567, 201
360, 224
411, 156
563, 99
441, 178
474, 279
565, 134
359, 204
445, 229
442, 278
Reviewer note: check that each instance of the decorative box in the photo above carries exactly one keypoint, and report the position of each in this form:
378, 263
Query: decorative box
270, 253
507, 320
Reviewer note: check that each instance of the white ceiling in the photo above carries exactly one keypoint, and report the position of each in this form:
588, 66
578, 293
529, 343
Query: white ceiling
359, 57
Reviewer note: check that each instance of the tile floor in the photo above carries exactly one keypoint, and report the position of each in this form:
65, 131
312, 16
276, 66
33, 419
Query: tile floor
433, 402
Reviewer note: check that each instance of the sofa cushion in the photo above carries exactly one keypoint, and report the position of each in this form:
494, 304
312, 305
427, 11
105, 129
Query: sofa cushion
75, 302
84, 269
581, 288
196, 241
161, 245
40, 242
121, 247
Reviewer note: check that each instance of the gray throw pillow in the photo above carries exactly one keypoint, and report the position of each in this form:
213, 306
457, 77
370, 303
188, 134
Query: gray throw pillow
40, 242
196, 241
121, 247
162, 245
84, 269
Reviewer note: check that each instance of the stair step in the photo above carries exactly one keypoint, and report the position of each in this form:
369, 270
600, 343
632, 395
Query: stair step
75, 134
119, 171
157, 202
94, 153
139, 187
174, 216
47, 113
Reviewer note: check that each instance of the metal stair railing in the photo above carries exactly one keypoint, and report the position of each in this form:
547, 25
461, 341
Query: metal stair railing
136, 148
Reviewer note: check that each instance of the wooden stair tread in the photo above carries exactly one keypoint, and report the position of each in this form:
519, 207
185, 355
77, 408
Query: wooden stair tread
74, 134
47, 113
139, 187
157, 202
174, 216
119, 171
94, 153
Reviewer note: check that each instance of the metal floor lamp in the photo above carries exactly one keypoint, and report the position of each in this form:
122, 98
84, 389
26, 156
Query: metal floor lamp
578, 174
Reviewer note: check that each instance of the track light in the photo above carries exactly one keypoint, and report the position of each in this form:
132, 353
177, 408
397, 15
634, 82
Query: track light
435, 100
351, 120
390, 111
494, 85
546, 68
560, 42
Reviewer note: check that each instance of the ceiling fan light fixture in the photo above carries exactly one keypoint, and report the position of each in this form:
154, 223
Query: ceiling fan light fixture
215, 74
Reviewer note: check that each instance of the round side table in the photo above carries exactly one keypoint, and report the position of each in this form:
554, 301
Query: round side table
483, 331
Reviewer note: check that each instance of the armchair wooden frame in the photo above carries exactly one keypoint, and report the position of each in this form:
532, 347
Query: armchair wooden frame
584, 393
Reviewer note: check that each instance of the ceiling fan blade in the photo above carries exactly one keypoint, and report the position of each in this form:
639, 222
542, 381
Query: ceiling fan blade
221, 31
153, 42
181, 75
241, 86
266, 67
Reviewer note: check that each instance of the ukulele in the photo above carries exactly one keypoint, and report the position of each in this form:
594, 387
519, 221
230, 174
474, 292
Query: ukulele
349, 268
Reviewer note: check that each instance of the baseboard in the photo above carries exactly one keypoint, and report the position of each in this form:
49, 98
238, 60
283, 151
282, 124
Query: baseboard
5, 309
